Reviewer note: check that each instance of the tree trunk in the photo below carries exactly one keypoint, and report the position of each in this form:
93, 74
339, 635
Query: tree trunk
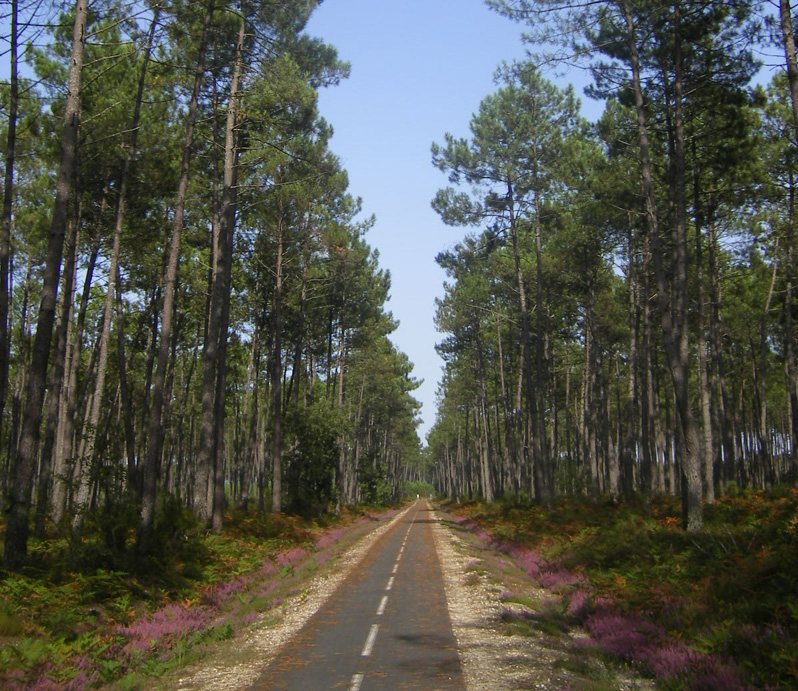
56, 382
789, 337
213, 363
545, 476
156, 432
64, 413
221, 375
708, 444
277, 372
673, 313
526, 355
19, 499
629, 445
788, 37
90, 427
760, 399
124, 388
8, 202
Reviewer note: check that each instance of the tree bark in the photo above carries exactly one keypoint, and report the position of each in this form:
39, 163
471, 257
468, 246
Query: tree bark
213, 354
90, 427
277, 371
19, 499
673, 313
8, 202
788, 38
707, 440
789, 336
57, 373
156, 432
629, 445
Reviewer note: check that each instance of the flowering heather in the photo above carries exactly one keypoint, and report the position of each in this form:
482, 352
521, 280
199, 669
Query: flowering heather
78, 683
627, 638
83, 662
329, 538
670, 661
636, 640
291, 557
578, 605
266, 589
217, 594
168, 623
559, 579
248, 618
474, 527
711, 673
529, 560
268, 567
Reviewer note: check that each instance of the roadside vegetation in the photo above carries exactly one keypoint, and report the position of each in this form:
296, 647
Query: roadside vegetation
711, 610
86, 614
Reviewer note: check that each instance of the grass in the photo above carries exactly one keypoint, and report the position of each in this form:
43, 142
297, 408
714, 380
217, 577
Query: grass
87, 615
716, 609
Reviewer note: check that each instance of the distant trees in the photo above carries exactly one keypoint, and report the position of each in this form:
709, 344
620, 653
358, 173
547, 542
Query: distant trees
660, 368
211, 318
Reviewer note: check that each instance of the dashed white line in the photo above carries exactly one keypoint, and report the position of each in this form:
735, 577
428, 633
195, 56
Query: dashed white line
370, 640
357, 680
395, 567
390, 583
381, 608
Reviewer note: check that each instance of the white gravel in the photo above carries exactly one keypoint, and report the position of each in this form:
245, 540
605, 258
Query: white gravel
491, 658
244, 659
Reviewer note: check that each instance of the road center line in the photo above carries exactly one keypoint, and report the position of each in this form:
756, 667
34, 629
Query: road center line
357, 680
390, 583
395, 566
381, 608
370, 640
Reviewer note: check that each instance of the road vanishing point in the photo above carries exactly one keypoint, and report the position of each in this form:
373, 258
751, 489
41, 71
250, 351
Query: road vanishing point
386, 627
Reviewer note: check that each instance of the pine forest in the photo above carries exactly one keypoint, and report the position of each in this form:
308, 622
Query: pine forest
197, 312
620, 321
195, 329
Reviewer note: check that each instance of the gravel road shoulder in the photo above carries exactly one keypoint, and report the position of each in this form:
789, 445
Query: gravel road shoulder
492, 656
237, 664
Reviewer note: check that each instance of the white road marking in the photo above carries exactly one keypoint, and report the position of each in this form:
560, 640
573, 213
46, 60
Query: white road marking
357, 680
370, 640
390, 583
395, 567
381, 608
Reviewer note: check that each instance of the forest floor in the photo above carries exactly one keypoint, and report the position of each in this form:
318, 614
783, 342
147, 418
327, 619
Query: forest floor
591, 596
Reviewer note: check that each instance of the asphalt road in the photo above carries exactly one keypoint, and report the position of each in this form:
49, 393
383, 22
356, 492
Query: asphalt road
386, 627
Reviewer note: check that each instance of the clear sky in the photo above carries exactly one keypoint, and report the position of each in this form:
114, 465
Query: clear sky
419, 70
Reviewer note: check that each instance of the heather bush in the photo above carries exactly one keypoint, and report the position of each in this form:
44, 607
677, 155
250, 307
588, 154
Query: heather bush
709, 610
88, 615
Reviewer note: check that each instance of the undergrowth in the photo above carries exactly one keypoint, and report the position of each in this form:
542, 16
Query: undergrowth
716, 609
86, 614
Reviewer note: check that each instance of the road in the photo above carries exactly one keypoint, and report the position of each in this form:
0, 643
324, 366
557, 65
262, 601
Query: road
386, 627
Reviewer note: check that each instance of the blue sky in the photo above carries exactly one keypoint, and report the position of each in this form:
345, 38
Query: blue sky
419, 69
